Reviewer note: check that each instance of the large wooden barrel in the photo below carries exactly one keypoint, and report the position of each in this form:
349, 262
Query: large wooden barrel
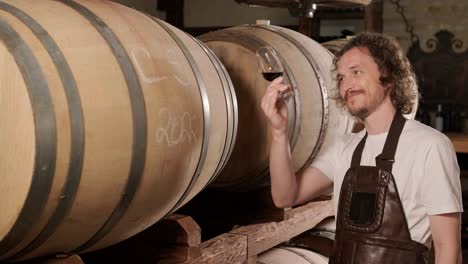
337, 44
314, 119
110, 120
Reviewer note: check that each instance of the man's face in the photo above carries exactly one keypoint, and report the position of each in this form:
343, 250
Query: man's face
358, 81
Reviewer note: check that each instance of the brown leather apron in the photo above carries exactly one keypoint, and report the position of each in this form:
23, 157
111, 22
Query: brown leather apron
371, 225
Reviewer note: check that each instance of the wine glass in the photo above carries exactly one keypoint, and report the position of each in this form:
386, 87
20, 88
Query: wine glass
271, 68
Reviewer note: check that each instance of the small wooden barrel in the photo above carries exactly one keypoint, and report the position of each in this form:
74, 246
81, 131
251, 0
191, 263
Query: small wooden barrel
314, 119
111, 119
336, 45
281, 255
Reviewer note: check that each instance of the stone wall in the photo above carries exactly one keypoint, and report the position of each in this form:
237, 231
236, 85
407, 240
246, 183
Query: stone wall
427, 17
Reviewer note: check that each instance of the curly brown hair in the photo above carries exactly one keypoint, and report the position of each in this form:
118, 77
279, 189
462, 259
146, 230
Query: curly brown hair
394, 67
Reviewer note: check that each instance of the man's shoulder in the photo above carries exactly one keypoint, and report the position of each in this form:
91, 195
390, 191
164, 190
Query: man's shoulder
419, 133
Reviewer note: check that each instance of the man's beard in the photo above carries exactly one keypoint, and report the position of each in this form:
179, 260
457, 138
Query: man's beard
361, 113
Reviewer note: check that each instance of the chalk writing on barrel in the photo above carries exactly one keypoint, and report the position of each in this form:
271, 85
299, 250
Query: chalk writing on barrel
139, 52
175, 129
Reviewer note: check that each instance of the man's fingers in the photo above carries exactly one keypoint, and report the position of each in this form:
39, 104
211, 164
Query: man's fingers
277, 87
271, 98
277, 80
283, 87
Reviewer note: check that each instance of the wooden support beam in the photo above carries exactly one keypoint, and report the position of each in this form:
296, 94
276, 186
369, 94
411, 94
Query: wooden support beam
262, 237
181, 230
226, 248
243, 244
177, 238
309, 27
373, 18
251, 260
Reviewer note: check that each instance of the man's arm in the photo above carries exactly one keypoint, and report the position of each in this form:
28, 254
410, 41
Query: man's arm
287, 188
445, 230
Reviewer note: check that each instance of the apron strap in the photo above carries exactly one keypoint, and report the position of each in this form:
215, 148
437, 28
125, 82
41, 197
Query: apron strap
356, 161
386, 159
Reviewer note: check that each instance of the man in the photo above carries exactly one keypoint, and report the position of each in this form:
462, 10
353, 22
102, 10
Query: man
396, 184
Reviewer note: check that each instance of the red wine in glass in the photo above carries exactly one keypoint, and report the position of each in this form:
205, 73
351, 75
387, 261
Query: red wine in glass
271, 67
270, 76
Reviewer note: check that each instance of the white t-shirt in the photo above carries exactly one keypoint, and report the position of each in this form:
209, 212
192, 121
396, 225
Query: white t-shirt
426, 172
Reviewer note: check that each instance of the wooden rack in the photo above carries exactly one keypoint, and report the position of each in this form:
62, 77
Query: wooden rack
243, 244
177, 239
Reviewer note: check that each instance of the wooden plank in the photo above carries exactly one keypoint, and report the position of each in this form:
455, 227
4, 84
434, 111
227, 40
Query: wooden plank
262, 237
459, 141
292, 212
251, 260
243, 244
178, 238
189, 233
226, 248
